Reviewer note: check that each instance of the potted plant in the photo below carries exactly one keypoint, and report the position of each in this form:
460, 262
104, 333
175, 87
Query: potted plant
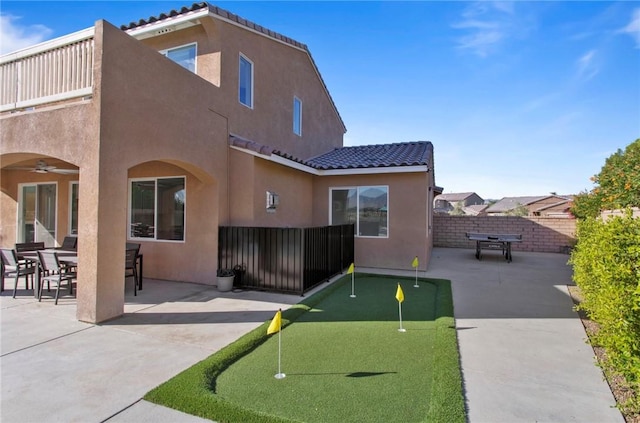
224, 279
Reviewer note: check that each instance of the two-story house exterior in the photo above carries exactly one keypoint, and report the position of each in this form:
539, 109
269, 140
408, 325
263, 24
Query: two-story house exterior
458, 202
163, 130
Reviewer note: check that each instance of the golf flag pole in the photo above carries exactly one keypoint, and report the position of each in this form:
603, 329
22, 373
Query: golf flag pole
415, 264
276, 326
350, 270
400, 298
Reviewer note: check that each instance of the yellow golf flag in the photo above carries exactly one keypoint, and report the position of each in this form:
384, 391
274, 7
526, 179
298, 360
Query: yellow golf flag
415, 262
351, 268
275, 323
399, 294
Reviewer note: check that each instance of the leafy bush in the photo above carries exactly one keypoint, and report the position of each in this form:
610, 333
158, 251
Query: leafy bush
606, 264
618, 184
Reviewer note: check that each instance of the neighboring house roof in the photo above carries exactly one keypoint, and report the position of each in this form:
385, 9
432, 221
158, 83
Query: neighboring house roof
225, 15
510, 203
567, 203
404, 154
475, 209
458, 196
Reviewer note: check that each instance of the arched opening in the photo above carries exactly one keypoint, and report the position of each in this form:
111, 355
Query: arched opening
39, 199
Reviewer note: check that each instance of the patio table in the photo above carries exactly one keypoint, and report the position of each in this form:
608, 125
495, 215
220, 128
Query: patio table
494, 242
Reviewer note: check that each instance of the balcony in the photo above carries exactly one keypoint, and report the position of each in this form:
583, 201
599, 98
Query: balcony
50, 72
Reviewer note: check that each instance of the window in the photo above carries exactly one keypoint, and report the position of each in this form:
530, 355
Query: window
185, 56
366, 207
245, 83
73, 209
157, 208
297, 116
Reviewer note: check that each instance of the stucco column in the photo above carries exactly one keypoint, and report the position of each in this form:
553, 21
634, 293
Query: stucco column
101, 245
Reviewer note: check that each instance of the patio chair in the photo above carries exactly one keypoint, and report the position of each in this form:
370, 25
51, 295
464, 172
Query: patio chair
13, 267
28, 246
69, 243
130, 266
54, 271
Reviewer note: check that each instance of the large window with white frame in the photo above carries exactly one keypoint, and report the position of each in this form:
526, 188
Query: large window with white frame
157, 208
245, 81
185, 56
297, 116
367, 207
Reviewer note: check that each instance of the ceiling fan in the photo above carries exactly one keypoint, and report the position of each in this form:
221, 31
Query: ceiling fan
42, 167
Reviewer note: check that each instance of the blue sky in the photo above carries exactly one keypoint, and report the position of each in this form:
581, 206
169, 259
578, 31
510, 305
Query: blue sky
518, 98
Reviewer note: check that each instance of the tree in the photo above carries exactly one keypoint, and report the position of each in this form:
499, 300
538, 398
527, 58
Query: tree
519, 210
458, 209
617, 184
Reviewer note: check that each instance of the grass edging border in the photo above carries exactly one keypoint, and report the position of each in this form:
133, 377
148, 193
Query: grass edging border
193, 390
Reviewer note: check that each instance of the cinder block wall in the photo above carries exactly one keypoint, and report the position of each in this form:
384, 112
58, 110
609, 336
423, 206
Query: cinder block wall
539, 234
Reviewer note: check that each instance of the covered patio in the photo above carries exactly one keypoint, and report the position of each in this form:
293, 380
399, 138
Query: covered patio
117, 126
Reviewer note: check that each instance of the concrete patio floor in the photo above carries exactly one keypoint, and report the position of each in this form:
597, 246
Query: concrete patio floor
523, 351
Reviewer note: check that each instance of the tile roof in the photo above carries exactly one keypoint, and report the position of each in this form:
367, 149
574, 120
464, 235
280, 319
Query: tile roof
454, 196
415, 153
217, 11
510, 203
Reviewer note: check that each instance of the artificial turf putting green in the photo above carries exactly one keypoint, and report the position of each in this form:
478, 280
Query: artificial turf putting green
344, 358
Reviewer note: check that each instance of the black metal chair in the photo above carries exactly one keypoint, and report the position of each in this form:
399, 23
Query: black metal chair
130, 265
28, 246
14, 267
69, 243
54, 271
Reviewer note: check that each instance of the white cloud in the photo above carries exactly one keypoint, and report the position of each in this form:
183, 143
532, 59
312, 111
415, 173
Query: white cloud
487, 24
633, 27
587, 66
14, 36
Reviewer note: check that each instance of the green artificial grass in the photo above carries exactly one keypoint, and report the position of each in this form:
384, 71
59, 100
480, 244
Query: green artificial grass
344, 358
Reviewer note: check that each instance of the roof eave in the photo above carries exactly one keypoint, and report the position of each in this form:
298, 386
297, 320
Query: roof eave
169, 24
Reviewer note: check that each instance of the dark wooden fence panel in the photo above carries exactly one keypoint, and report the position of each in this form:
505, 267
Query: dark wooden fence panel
285, 259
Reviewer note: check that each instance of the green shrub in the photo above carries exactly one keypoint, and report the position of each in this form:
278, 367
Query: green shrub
606, 264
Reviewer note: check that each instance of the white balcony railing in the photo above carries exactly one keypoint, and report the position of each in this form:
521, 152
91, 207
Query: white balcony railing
52, 71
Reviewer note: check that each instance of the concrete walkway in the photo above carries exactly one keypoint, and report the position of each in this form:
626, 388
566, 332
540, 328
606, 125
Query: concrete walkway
523, 353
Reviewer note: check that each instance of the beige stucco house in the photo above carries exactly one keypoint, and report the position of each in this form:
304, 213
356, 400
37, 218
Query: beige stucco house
160, 132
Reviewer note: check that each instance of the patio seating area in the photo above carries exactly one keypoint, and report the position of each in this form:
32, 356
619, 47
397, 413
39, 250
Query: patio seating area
523, 353
36, 265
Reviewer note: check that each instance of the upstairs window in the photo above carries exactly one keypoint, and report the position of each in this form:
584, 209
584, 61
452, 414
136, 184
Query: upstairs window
297, 116
245, 82
185, 56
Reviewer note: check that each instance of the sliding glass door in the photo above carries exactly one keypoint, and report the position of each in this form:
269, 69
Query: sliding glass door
37, 214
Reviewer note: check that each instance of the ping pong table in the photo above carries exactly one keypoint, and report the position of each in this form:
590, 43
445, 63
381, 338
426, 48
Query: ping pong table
494, 242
